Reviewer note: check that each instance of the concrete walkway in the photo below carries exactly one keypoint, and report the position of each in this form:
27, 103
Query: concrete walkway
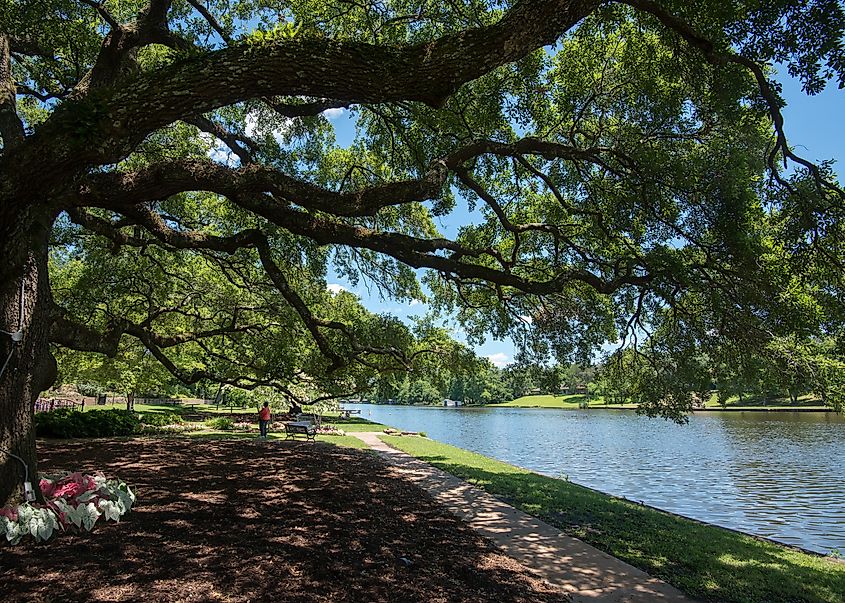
586, 572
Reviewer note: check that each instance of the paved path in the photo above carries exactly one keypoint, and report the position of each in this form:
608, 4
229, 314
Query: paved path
586, 572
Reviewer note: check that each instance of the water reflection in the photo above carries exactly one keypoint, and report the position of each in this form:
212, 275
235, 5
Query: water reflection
778, 475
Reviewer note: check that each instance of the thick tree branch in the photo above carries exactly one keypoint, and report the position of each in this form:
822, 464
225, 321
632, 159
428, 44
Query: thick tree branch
11, 126
347, 71
304, 109
158, 181
161, 180
424, 253
27, 47
42, 96
117, 53
156, 225
77, 336
200, 241
248, 188
71, 334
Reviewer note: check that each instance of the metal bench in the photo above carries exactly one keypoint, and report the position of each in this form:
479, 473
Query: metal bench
306, 428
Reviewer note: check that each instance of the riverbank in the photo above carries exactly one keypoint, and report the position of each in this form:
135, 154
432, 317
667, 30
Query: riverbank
578, 401
704, 561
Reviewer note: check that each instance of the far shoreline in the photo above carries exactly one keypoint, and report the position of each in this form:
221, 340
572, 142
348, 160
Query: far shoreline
570, 406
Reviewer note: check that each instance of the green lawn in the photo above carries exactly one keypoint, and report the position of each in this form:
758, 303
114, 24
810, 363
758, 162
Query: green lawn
806, 402
750, 403
549, 401
345, 440
706, 562
544, 401
353, 424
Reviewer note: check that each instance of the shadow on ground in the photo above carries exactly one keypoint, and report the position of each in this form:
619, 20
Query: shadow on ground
223, 520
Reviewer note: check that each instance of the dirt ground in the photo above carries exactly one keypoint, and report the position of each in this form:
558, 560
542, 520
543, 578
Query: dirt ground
224, 520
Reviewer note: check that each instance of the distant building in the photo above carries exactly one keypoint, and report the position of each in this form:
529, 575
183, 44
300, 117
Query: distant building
448, 402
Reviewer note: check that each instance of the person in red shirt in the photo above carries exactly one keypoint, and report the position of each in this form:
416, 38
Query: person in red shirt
264, 420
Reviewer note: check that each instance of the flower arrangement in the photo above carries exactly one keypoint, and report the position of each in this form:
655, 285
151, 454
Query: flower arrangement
330, 430
74, 499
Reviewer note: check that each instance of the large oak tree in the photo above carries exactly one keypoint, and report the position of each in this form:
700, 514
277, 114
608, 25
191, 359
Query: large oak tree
627, 162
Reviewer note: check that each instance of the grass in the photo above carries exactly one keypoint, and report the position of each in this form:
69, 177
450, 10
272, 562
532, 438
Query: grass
806, 402
549, 401
705, 561
335, 440
571, 401
353, 424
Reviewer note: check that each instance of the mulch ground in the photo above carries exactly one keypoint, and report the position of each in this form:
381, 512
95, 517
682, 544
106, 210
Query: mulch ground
224, 520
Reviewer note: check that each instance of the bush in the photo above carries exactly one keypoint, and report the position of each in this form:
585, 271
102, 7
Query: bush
89, 389
69, 423
170, 429
220, 423
160, 419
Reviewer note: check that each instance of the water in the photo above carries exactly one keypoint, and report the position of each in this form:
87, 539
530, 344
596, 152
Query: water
774, 474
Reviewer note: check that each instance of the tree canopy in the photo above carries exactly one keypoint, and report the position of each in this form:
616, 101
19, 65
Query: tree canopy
627, 162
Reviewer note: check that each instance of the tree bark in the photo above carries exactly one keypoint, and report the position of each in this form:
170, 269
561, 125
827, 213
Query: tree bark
25, 306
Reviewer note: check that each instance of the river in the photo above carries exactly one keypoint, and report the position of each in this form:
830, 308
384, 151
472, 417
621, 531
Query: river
775, 474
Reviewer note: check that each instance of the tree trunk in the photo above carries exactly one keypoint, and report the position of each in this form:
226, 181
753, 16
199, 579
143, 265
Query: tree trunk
31, 367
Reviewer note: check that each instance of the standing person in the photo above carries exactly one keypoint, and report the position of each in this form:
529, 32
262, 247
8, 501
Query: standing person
264, 420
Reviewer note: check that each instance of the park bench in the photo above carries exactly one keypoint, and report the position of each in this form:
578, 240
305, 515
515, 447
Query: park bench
310, 418
306, 428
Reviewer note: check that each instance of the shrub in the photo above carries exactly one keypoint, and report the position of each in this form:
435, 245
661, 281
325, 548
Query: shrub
170, 429
69, 423
89, 389
220, 423
161, 419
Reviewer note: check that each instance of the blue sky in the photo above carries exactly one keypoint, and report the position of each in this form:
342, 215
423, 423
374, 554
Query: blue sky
815, 128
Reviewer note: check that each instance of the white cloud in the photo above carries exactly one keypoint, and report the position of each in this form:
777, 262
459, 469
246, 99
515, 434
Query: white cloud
415, 302
333, 114
526, 319
499, 359
336, 288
